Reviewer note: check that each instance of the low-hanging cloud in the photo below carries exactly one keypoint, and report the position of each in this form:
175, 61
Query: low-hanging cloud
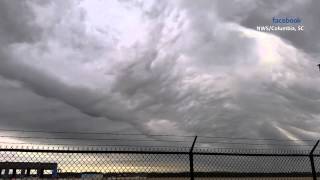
196, 70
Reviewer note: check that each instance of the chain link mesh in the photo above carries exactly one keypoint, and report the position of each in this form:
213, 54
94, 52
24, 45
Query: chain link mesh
165, 163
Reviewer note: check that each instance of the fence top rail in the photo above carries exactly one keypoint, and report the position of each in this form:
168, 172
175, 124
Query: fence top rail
92, 151
149, 152
26, 165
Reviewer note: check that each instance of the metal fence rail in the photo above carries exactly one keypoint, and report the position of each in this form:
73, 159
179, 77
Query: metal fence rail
128, 162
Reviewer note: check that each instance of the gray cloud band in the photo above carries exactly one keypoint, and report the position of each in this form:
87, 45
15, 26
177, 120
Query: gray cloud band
208, 75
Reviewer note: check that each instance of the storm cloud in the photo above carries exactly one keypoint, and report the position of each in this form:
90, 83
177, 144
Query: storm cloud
169, 67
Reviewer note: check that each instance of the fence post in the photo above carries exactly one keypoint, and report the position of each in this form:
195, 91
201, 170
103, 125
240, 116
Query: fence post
314, 173
191, 158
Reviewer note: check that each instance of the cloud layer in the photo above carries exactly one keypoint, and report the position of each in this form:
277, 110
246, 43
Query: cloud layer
170, 68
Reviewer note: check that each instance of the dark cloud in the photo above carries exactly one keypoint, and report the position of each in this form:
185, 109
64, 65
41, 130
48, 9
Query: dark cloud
200, 69
17, 22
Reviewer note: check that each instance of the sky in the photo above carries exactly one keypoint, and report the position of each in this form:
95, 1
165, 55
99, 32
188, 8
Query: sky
160, 67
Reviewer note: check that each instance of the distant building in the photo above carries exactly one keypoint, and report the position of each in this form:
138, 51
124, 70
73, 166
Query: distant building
9, 169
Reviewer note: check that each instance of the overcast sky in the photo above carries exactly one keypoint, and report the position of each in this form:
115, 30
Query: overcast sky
160, 67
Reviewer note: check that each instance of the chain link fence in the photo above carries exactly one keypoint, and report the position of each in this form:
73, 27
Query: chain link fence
155, 163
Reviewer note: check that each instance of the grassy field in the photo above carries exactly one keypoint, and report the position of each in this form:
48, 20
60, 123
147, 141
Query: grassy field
176, 178
225, 178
